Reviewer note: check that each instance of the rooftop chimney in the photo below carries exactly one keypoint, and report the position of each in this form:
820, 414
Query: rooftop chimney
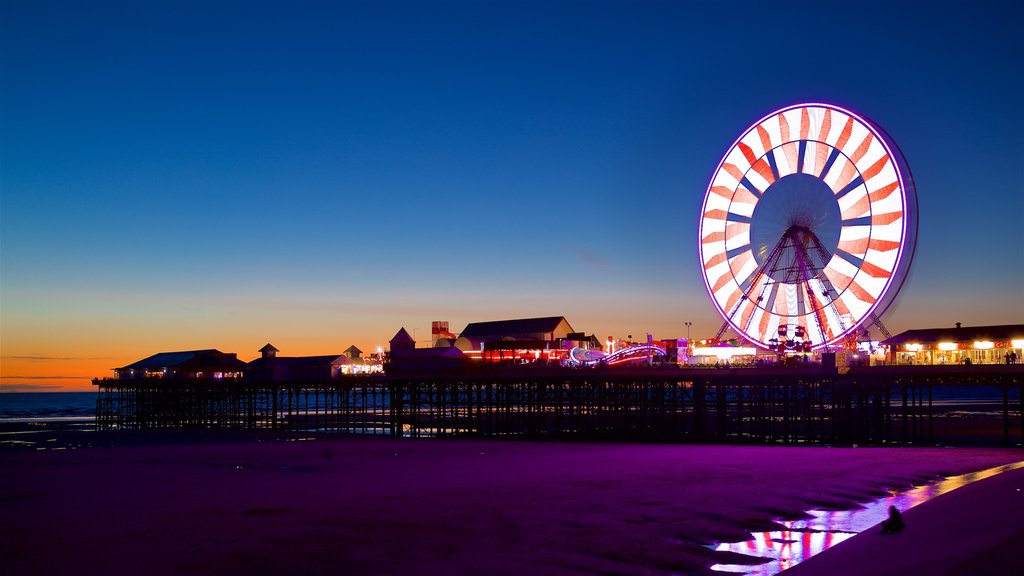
957, 324
268, 351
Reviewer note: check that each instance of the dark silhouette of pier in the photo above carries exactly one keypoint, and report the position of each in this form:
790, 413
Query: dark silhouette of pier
869, 406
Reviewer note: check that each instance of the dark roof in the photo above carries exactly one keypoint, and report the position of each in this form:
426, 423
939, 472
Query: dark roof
478, 330
428, 353
296, 361
402, 336
964, 334
268, 348
353, 350
209, 356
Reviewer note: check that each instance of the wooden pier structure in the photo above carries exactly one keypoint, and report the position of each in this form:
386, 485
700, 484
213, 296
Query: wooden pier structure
869, 406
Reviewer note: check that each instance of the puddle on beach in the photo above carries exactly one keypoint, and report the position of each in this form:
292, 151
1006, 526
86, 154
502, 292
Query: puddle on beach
798, 540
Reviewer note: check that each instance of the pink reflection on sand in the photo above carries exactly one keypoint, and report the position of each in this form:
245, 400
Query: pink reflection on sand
802, 539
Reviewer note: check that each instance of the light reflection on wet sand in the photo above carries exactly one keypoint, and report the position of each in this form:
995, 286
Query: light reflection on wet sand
802, 539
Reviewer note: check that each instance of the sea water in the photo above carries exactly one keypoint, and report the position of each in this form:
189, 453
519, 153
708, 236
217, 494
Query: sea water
24, 407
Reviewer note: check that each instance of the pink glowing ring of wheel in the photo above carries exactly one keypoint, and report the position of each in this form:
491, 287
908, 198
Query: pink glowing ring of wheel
808, 226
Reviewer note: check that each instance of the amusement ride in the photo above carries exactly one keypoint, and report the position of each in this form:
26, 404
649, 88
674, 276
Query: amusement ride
807, 229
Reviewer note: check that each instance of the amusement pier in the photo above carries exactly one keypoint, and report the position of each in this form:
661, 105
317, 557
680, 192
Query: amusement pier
807, 231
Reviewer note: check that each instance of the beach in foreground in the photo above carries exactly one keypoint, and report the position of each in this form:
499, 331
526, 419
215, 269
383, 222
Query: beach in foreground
385, 506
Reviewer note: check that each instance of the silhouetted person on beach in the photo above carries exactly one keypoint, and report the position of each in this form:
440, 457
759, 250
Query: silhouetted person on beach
895, 522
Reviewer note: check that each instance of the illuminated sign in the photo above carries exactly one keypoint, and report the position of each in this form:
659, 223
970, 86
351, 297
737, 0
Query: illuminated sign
723, 352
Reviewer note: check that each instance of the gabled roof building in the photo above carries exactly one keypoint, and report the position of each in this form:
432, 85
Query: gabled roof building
549, 328
209, 363
270, 367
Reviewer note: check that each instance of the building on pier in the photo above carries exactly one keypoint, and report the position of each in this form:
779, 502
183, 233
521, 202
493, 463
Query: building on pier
957, 345
523, 341
270, 367
208, 363
405, 357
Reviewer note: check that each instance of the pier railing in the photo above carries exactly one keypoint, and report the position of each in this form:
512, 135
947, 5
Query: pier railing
925, 405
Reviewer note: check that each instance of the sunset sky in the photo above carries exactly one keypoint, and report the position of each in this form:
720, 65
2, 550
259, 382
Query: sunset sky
184, 175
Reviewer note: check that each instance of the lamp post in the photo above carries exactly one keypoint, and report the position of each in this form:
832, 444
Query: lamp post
688, 341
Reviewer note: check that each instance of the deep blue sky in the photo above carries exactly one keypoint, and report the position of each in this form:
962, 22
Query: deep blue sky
191, 174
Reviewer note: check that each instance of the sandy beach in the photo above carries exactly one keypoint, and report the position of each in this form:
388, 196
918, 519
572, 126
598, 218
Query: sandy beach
383, 506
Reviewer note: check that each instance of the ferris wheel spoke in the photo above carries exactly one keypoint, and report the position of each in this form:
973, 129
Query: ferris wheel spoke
757, 190
853, 260
833, 154
851, 186
743, 269
844, 134
888, 218
713, 237
765, 323
716, 214
863, 148
875, 169
773, 165
861, 221
817, 155
720, 283
787, 161
766, 139
734, 229
838, 279
862, 245
874, 271
716, 260
859, 204
734, 252
845, 172
882, 193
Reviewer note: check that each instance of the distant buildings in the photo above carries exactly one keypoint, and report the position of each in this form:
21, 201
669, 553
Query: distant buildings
546, 340
523, 341
268, 367
185, 364
957, 345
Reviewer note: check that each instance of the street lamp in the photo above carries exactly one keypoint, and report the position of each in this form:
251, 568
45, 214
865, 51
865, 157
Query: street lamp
688, 340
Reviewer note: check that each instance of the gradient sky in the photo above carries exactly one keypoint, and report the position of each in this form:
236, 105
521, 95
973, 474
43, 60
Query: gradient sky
182, 175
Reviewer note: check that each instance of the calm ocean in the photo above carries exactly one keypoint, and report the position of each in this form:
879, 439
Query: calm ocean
35, 406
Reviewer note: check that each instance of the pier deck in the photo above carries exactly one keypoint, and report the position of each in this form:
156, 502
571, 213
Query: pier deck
870, 406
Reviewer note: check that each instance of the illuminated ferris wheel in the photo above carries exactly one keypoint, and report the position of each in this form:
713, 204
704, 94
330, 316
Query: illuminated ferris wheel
808, 228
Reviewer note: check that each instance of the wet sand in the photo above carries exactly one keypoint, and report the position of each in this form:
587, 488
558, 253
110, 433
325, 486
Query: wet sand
975, 529
382, 506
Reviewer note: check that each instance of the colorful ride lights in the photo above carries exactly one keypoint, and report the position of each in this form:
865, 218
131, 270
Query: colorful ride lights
580, 357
